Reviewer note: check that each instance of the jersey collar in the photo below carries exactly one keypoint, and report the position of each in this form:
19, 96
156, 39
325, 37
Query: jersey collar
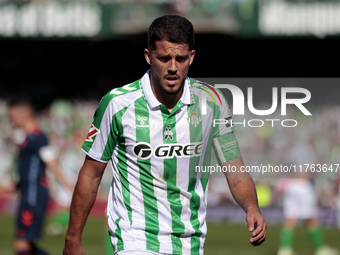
152, 100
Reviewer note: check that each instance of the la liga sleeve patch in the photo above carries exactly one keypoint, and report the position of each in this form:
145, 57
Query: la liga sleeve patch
92, 133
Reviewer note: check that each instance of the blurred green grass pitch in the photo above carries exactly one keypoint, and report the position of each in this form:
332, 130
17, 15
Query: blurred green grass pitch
222, 239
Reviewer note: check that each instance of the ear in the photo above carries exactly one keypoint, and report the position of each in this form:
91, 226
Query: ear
192, 56
147, 56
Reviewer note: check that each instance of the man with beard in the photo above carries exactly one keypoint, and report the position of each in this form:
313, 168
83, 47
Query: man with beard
154, 134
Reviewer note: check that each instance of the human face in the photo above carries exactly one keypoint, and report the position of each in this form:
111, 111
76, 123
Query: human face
169, 64
17, 116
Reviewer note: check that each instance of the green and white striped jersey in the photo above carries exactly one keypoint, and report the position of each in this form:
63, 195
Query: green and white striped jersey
157, 200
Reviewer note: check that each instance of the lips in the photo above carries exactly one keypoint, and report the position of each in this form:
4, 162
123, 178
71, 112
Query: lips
171, 79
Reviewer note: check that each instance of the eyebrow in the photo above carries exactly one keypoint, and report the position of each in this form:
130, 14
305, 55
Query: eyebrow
169, 56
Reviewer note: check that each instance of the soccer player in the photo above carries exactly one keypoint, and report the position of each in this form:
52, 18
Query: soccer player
300, 203
154, 133
35, 154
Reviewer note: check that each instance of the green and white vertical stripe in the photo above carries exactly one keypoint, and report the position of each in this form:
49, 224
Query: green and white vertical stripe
156, 204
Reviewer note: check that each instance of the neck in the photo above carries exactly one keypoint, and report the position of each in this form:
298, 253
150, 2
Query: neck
30, 126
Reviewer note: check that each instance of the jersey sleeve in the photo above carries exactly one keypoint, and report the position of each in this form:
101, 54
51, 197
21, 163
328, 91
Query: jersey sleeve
47, 153
224, 141
101, 139
35, 141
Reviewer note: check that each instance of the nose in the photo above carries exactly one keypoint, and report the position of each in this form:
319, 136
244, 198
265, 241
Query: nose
172, 67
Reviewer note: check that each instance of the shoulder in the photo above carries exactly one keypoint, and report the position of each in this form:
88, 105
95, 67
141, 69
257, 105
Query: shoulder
208, 92
38, 138
121, 97
123, 92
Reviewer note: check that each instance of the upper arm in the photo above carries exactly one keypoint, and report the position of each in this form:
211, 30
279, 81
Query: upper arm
101, 139
224, 141
105, 129
222, 113
48, 154
226, 148
92, 168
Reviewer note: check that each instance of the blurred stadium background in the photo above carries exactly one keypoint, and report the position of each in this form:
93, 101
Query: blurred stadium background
65, 55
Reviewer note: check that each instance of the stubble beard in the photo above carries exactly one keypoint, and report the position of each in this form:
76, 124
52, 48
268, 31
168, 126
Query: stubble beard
163, 88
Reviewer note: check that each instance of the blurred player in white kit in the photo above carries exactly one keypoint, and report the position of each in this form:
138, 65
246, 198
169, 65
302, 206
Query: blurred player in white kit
300, 203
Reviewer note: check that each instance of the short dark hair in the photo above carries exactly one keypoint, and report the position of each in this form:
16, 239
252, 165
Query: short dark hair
19, 101
171, 28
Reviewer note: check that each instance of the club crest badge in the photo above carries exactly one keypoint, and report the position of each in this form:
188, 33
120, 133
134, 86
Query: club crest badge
194, 119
